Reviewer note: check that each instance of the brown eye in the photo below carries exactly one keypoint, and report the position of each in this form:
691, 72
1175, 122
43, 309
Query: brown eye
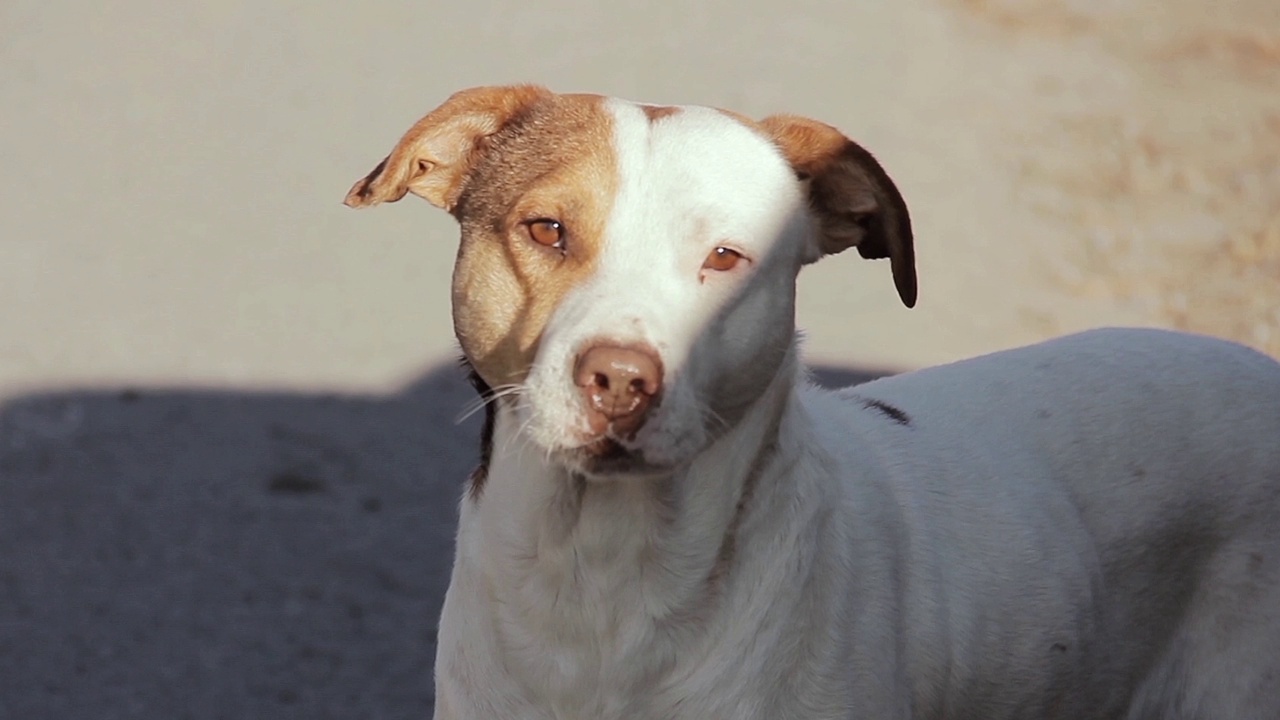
722, 259
547, 232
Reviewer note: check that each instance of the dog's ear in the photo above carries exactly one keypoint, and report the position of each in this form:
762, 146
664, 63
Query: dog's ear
855, 202
433, 158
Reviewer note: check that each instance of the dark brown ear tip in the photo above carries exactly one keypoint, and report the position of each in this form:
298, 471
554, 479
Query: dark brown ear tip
355, 197
358, 195
906, 286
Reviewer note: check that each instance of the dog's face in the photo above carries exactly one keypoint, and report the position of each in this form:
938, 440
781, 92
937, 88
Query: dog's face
628, 271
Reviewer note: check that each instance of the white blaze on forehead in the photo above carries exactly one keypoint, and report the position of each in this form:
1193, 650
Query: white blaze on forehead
696, 168
695, 174
687, 180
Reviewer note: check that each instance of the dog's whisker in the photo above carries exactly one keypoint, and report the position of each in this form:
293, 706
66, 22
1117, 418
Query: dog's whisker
521, 432
709, 416
492, 396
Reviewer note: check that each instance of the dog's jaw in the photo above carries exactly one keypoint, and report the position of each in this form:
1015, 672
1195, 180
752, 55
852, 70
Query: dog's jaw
613, 464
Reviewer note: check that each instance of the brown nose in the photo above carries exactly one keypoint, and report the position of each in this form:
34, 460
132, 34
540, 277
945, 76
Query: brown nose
618, 384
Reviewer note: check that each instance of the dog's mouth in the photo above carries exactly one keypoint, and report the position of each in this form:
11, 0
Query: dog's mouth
605, 457
606, 448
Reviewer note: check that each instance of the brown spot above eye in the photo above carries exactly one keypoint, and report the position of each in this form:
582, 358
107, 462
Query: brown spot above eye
657, 112
722, 259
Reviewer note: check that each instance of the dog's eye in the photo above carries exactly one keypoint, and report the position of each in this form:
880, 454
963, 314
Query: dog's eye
546, 232
722, 259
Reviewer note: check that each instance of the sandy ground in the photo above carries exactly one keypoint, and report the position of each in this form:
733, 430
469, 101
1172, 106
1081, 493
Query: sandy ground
228, 461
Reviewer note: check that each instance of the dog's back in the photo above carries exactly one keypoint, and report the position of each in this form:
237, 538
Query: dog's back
1142, 468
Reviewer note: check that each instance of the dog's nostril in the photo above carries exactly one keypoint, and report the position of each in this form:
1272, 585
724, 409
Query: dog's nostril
619, 384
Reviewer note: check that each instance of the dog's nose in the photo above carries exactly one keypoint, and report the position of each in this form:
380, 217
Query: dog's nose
618, 384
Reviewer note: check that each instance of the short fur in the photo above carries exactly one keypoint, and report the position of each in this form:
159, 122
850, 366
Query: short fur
1084, 528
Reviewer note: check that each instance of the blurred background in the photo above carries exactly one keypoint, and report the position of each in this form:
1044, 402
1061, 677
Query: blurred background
229, 460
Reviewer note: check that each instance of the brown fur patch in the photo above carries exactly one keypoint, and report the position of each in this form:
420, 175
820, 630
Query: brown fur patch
555, 161
852, 196
498, 158
433, 158
657, 112
811, 147
749, 122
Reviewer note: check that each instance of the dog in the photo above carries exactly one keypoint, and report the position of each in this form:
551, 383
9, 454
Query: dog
672, 521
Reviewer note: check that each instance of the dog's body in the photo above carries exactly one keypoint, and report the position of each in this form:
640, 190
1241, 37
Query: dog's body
672, 523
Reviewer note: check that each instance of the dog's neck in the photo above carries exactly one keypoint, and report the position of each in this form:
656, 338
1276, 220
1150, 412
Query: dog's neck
649, 550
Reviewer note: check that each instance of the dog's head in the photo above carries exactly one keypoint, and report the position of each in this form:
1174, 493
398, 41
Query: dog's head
629, 270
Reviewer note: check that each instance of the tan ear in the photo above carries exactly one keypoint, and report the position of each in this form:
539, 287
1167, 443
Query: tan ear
433, 158
853, 198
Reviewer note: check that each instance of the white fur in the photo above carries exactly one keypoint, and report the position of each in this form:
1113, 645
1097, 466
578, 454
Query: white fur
1085, 528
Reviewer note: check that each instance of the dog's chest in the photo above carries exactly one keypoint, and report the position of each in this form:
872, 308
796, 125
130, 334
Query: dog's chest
602, 625
588, 635
579, 662
605, 650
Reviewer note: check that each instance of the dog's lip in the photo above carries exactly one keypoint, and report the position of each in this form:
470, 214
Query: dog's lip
604, 456
605, 447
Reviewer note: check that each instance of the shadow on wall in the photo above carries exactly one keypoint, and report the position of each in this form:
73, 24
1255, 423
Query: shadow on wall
179, 553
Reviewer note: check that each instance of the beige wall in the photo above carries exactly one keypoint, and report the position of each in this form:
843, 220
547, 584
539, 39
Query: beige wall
171, 173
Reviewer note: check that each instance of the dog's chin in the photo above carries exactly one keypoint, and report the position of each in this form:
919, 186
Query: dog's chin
606, 459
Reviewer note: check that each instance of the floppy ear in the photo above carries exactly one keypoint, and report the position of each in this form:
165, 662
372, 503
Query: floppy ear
432, 159
855, 202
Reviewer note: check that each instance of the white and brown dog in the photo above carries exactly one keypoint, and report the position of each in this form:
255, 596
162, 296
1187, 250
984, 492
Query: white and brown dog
672, 522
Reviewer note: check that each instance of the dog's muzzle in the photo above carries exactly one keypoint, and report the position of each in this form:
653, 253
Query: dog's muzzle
619, 385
